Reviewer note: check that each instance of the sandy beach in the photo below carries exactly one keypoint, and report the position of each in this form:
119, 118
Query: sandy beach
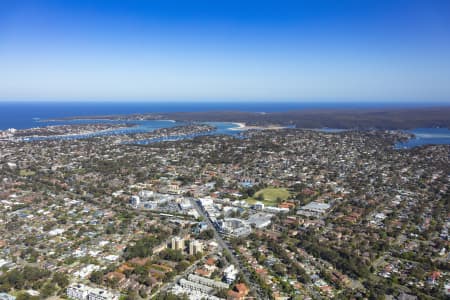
243, 126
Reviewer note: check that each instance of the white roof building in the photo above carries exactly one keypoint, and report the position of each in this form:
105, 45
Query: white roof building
230, 274
82, 292
4, 296
314, 209
260, 220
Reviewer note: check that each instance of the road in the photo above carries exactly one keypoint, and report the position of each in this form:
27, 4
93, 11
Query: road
223, 245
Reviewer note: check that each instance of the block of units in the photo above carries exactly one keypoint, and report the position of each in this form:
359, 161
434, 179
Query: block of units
208, 282
187, 284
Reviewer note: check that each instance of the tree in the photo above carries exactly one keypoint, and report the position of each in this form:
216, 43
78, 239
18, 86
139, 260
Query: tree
26, 296
249, 191
170, 296
15, 279
279, 269
176, 230
142, 247
222, 293
48, 289
170, 254
110, 229
143, 294
182, 266
206, 234
220, 263
60, 279
219, 183
96, 277
132, 295
5, 287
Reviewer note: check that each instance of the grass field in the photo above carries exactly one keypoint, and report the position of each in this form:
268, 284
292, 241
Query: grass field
270, 196
26, 173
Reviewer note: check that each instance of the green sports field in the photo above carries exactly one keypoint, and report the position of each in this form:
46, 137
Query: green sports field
270, 196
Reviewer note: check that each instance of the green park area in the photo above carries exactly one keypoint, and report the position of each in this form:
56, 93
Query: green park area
269, 196
26, 173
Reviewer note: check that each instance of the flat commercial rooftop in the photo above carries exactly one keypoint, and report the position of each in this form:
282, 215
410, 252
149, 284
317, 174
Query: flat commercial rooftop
313, 208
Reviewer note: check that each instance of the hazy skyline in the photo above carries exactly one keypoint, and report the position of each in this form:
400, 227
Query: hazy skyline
225, 50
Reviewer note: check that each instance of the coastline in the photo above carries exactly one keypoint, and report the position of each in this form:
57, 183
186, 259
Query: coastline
242, 126
69, 135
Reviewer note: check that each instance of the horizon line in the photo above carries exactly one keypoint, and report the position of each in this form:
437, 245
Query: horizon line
233, 101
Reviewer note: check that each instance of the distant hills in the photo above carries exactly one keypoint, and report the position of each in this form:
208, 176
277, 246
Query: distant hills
386, 118
331, 118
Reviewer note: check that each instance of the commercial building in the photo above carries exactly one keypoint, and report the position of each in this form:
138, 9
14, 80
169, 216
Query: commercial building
234, 227
82, 292
313, 209
260, 220
144, 194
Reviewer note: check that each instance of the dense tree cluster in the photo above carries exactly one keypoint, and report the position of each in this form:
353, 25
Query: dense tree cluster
142, 247
26, 278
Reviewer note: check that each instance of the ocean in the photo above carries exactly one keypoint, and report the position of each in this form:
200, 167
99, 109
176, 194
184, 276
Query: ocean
426, 136
21, 115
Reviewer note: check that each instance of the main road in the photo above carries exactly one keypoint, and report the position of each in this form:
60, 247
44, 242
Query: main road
223, 245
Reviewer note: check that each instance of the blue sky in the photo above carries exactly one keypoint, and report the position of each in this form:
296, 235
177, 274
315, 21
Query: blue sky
336, 50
